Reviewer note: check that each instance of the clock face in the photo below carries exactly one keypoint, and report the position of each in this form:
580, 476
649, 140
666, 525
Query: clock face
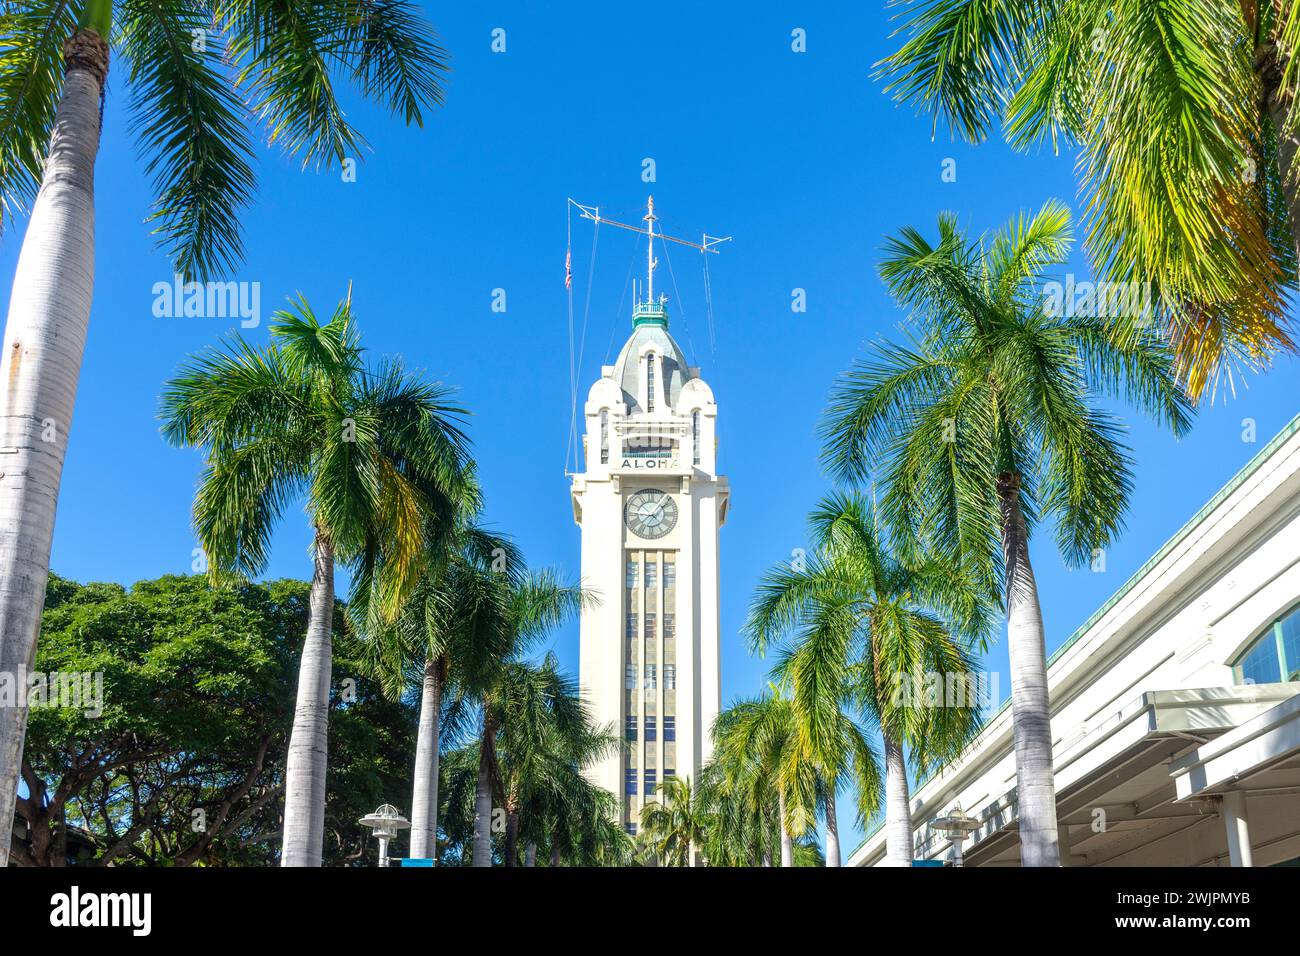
650, 513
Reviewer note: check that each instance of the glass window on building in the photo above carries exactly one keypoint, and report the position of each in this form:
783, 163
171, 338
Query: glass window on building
651, 730
631, 728
670, 728
670, 572
651, 573
650, 676
631, 573
670, 677
650, 382
631, 676
629, 781
651, 779
695, 434
604, 436
631, 829
1275, 654
670, 626
631, 626
650, 623
669, 774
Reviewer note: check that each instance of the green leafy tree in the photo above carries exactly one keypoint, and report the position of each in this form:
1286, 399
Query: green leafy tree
378, 457
988, 422
1183, 113
193, 73
183, 763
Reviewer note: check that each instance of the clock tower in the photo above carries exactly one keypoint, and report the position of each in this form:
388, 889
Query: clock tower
650, 503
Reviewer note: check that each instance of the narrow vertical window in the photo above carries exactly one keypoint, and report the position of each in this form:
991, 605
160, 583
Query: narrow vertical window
695, 434
650, 382
604, 436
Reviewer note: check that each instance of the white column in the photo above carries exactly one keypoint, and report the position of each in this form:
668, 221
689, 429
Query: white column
1233, 808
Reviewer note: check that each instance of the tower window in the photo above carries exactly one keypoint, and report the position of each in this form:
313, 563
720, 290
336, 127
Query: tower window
604, 436
651, 731
631, 728
629, 780
650, 382
670, 627
695, 434
650, 677
650, 782
631, 676
670, 677
650, 623
631, 625
651, 572
670, 573
670, 728
631, 573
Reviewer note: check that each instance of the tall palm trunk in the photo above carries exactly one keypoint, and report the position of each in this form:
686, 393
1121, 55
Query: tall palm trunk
304, 778
1270, 67
1030, 706
49, 311
898, 805
530, 853
555, 853
483, 795
832, 831
424, 796
787, 842
511, 848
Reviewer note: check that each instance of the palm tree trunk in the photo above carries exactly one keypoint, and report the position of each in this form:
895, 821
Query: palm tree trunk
483, 797
1030, 705
511, 849
45, 335
424, 797
304, 778
898, 805
832, 831
1270, 67
530, 853
787, 842
555, 853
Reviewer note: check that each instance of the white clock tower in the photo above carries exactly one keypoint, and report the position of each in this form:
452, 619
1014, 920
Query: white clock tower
650, 504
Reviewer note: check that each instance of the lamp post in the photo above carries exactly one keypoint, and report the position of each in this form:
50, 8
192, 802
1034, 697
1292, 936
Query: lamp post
387, 822
955, 826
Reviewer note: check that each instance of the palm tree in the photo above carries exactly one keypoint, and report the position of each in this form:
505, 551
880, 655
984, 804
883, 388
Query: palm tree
674, 825
503, 686
1184, 114
759, 749
738, 831
377, 455
987, 422
865, 636
193, 73
429, 641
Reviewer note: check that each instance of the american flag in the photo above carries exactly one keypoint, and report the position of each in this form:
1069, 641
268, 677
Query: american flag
568, 269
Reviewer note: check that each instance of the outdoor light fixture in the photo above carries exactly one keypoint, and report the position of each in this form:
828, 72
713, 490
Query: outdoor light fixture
387, 822
955, 826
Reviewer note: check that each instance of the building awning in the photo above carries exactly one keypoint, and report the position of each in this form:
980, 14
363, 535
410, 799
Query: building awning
1116, 800
1263, 754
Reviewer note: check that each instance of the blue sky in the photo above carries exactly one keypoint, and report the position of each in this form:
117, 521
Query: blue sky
800, 156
